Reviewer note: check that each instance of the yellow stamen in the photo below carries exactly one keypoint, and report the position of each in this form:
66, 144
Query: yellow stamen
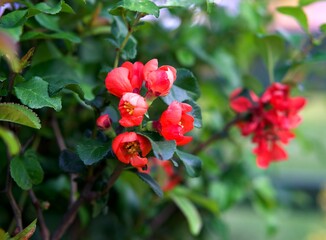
129, 107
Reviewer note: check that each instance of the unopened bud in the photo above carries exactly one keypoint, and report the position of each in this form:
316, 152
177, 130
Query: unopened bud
104, 122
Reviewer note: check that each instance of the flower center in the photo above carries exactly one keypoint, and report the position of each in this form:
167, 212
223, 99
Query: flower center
129, 107
132, 147
180, 124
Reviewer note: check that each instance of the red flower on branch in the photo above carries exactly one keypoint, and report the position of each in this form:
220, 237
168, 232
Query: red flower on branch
158, 80
127, 78
104, 121
132, 108
132, 148
269, 119
175, 122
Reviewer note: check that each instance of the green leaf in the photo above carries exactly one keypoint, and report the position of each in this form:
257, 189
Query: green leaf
271, 48
184, 88
67, 8
13, 19
192, 163
20, 114
34, 93
26, 170
130, 50
298, 14
59, 35
12, 142
27, 232
185, 57
48, 21
151, 182
307, 2
190, 212
70, 162
92, 151
201, 200
45, 8
323, 28
14, 33
142, 6
4, 235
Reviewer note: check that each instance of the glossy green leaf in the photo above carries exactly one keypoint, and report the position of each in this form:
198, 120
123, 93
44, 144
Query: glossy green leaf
192, 163
142, 6
307, 2
13, 19
26, 170
190, 212
151, 182
20, 114
163, 150
271, 48
184, 88
92, 151
130, 50
298, 14
48, 21
11, 141
70, 162
27, 233
44, 7
34, 93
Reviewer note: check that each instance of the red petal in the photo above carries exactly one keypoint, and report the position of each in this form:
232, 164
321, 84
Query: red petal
241, 104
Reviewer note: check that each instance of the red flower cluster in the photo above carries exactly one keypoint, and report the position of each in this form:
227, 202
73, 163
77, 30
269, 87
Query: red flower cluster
126, 83
269, 119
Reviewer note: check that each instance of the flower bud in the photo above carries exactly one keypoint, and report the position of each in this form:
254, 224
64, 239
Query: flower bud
104, 122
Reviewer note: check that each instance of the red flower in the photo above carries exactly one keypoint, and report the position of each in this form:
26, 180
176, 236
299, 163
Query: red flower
127, 78
159, 80
269, 119
175, 122
132, 108
104, 121
132, 148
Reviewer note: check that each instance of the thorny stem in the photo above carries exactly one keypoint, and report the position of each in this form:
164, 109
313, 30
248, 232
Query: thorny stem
45, 234
125, 41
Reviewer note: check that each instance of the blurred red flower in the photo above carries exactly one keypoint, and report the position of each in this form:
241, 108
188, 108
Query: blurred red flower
269, 119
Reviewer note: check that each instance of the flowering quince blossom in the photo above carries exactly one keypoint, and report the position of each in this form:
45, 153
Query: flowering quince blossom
175, 122
132, 148
159, 80
104, 121
164, 172
127, 78
132, 108
269, 119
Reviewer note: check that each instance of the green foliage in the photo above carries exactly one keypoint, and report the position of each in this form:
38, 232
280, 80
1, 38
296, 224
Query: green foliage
298, 14
20, 114
34, 93
192, 163
91, 151
190, 212
27, 232
142, 6
151, 183
26, 170
11, 141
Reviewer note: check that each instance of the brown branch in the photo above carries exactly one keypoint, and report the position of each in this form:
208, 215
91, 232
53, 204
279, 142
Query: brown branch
86, 196
217, 136
62, 146
45, 234
14, 206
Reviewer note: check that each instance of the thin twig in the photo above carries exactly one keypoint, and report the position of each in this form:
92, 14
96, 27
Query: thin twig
45, 234
14, 206
62, 146
217, 136
86, 196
